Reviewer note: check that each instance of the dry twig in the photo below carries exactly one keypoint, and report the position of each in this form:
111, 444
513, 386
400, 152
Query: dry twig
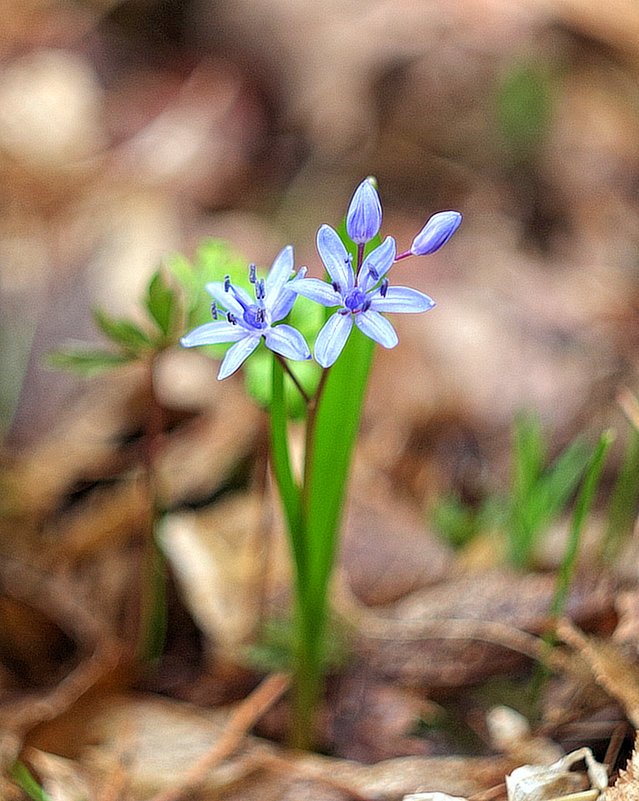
240, 722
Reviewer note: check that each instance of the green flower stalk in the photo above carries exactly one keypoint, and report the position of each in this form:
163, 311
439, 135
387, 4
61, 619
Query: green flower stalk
357, 263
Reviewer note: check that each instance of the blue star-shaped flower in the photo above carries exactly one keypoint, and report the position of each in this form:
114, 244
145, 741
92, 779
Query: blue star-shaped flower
248, 320
361, 297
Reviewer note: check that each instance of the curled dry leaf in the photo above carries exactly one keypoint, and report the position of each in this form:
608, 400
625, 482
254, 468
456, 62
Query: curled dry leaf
611, 669
626, 788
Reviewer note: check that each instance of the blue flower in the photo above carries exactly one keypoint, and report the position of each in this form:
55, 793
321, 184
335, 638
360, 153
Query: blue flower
364, 215
361, 298
247, 320
437, 231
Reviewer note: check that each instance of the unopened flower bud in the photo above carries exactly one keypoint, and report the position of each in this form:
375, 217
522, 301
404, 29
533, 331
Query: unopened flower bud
437, 231
364, 216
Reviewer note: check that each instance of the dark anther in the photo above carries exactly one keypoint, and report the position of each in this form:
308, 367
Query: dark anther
231, 318
252, 273
366, 305
214, 310
373, 273
260, 291
384, 288
227, 283
336, 287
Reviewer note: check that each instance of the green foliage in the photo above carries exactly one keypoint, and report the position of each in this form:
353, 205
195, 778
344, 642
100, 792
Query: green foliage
123, 333
583, 504
538, 493
456, 522
524, 103
84, 362
275, 650
131, 341
622, 511
162, 304
25, 781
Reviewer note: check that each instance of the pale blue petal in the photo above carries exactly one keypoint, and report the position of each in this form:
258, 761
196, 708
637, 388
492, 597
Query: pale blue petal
317, 290
226, 300
237, 354
377, 327
335, 257
278, 275
286, 298
332, 338
377, 263
213, 334
401, 299
437, 231
364, 216
287, 341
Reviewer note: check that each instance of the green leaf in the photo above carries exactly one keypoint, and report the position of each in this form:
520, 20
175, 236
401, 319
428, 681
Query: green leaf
23, 778
583, 504
290, 492
539, 494
123, 333
335, 431
524, 103
622, 511
161, 303
87, 363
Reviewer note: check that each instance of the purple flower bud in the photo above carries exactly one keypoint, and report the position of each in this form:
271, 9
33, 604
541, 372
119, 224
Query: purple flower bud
437, 231
364, 216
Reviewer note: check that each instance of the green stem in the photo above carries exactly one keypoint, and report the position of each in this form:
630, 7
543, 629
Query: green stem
153, 604
293, 378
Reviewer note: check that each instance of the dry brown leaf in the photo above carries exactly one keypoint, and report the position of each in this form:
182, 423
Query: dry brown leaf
626, 788
611, 668
170, 737
465, 629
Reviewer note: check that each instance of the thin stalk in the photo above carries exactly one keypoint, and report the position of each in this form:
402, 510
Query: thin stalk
153, 611
293, 378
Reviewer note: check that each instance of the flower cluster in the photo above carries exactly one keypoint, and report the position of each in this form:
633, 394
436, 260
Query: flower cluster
360, 292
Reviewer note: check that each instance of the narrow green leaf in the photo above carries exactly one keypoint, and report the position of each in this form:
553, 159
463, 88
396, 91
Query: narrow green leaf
336, 426
87, 363
123, 333
161, 303
23, 778
582, 508
290, 492
622, 511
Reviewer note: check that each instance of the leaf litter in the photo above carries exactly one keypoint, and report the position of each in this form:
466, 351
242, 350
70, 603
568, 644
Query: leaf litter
139, 164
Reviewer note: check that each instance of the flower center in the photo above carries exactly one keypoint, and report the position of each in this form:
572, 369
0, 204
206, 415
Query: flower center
255, 316
355, 300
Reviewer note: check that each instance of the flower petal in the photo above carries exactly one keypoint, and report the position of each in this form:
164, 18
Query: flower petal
401, 299
287, 341
377, 327
213, 334
317, 290
437, 231
332, 338
237, 354
227, 300
278, 275
286, 298
377, 263
335, 257
364, 216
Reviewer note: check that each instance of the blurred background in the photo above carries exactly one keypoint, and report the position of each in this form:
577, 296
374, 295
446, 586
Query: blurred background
132, 129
